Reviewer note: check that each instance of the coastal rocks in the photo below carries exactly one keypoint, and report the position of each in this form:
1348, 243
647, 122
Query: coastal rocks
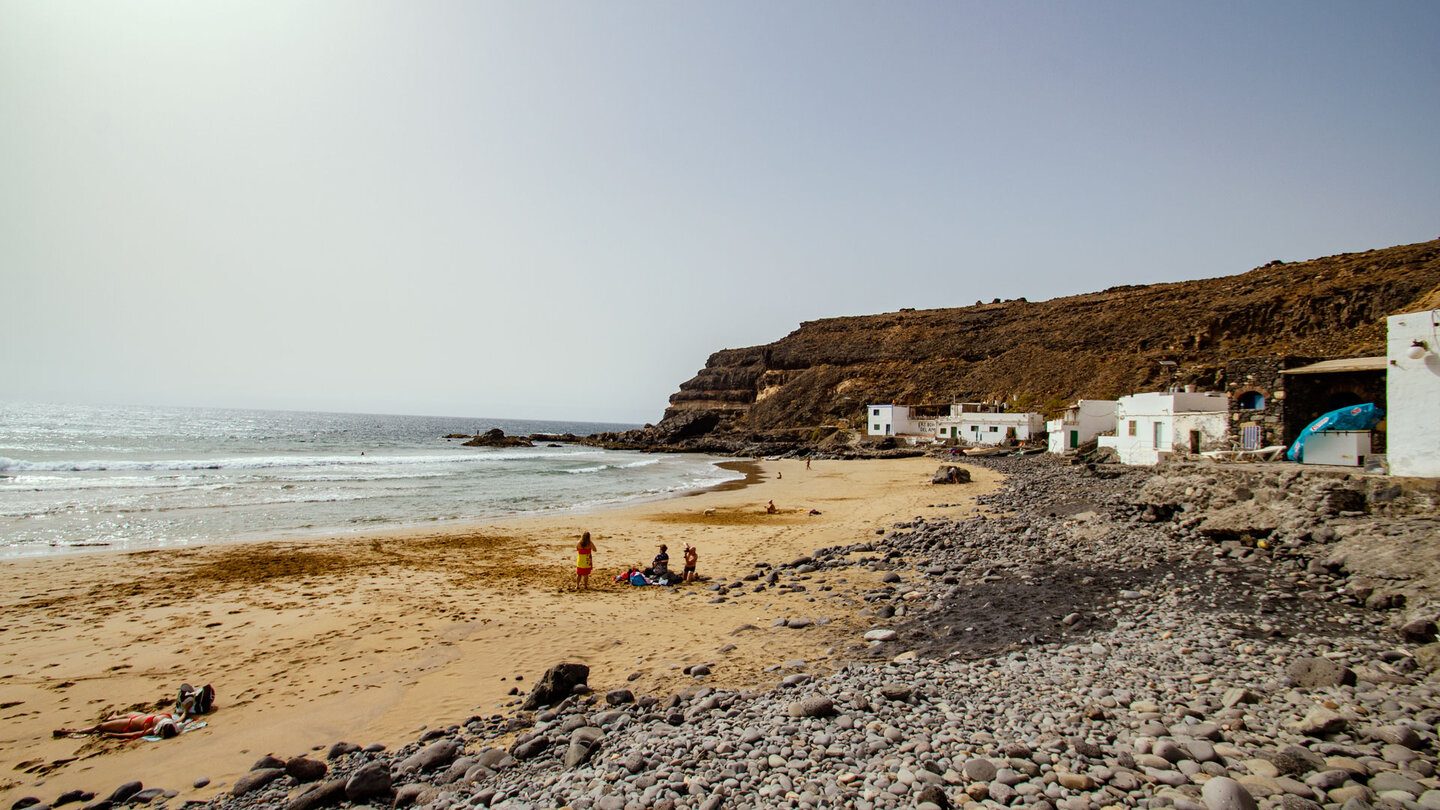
558, 683
324, 794
125, 792
1316, 673
812, 706
948, 474
1223, 793
495, 437
1320, 721
583, 744
432, 757
369, 781
304, 769
254, 780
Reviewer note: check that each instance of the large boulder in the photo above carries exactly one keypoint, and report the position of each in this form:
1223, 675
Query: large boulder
432, 757
558, 683
370, 781
950, 474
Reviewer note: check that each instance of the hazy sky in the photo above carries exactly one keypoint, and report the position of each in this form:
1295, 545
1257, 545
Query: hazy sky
559, 209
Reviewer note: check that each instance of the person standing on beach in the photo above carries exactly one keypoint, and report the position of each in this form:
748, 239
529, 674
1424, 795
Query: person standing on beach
691, 557
584, 561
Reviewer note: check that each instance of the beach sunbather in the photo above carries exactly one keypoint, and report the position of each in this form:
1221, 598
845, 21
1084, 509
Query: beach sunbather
770, 508
584, 561
129, 727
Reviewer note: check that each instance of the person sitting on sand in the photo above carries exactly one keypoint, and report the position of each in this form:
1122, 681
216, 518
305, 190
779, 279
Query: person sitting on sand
660, 566
770, 508
584, 561
129, 727
691, 556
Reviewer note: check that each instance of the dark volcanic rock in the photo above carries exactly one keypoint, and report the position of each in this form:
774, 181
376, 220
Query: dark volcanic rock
370, 781
558, 683
495, 437
254, 780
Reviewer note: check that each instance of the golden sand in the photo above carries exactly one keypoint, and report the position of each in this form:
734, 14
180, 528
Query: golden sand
370, 638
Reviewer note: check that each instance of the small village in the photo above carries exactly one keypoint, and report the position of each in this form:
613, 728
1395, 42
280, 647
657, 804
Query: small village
1376, 413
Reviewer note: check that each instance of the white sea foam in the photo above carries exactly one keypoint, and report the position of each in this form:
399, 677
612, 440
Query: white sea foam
255, 462
151, 478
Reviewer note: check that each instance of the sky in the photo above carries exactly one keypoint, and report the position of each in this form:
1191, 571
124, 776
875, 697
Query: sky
558, 210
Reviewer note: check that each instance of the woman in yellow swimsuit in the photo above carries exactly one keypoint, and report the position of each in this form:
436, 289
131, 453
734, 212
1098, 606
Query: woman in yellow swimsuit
584, 562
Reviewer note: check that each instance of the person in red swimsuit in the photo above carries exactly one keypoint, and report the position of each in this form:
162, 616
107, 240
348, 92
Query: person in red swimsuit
129, 727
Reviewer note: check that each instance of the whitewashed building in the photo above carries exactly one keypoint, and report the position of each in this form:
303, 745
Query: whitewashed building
968, 422
1412, 394
1082, 422
1153, 426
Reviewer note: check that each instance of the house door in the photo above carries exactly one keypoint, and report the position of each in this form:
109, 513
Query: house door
1159, 434
1074, 439
1194, 442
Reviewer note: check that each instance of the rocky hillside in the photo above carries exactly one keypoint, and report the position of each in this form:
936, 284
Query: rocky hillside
1043, 355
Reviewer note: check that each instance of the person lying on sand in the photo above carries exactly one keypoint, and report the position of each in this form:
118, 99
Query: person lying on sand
129, 727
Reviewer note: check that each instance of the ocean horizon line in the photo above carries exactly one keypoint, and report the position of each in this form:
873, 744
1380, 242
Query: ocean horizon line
22, 401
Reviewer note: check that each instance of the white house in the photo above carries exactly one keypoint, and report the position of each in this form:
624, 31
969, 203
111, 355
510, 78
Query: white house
893, 420
976, 423
971, 422
1152, 426
1082, 422
1412, 394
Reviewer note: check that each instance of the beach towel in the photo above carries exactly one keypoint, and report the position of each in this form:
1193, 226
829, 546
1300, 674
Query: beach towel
180, 728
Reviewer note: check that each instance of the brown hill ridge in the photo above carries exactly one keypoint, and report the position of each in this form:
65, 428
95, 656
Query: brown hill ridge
1043, 355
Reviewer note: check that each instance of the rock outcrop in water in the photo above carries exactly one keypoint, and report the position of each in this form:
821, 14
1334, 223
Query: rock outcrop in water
1042, 355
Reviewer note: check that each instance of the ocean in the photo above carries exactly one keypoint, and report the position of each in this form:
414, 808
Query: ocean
76, 478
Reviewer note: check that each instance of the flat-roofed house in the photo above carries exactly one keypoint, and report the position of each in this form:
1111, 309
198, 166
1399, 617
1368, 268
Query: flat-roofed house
1153, 426
1081, 423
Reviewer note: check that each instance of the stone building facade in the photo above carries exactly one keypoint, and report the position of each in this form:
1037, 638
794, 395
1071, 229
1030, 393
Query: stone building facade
1277, 397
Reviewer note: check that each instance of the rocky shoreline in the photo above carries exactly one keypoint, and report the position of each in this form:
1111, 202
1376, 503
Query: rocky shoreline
1085, 639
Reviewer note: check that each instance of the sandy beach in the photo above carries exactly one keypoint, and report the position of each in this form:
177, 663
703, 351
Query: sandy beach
372, 638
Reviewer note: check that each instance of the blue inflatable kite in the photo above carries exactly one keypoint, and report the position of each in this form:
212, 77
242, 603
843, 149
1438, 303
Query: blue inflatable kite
1355, 417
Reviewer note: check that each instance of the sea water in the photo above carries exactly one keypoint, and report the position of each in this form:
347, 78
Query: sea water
79, 477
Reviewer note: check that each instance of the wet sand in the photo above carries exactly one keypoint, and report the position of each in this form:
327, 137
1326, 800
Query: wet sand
372, 638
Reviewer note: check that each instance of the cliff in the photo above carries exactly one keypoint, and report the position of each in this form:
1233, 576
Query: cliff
1043, 355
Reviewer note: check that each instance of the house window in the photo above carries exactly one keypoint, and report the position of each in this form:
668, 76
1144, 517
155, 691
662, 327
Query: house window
876, 428
1132, 427
1251, 401
994, 429
877, 413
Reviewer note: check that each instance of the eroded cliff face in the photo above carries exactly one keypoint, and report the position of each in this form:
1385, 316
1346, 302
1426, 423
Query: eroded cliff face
1046, 354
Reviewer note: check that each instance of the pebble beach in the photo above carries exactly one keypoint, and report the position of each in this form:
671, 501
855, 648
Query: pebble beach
1045, 637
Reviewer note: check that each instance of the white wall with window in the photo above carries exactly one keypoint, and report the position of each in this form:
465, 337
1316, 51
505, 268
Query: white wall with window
1081, 423
1153, 426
